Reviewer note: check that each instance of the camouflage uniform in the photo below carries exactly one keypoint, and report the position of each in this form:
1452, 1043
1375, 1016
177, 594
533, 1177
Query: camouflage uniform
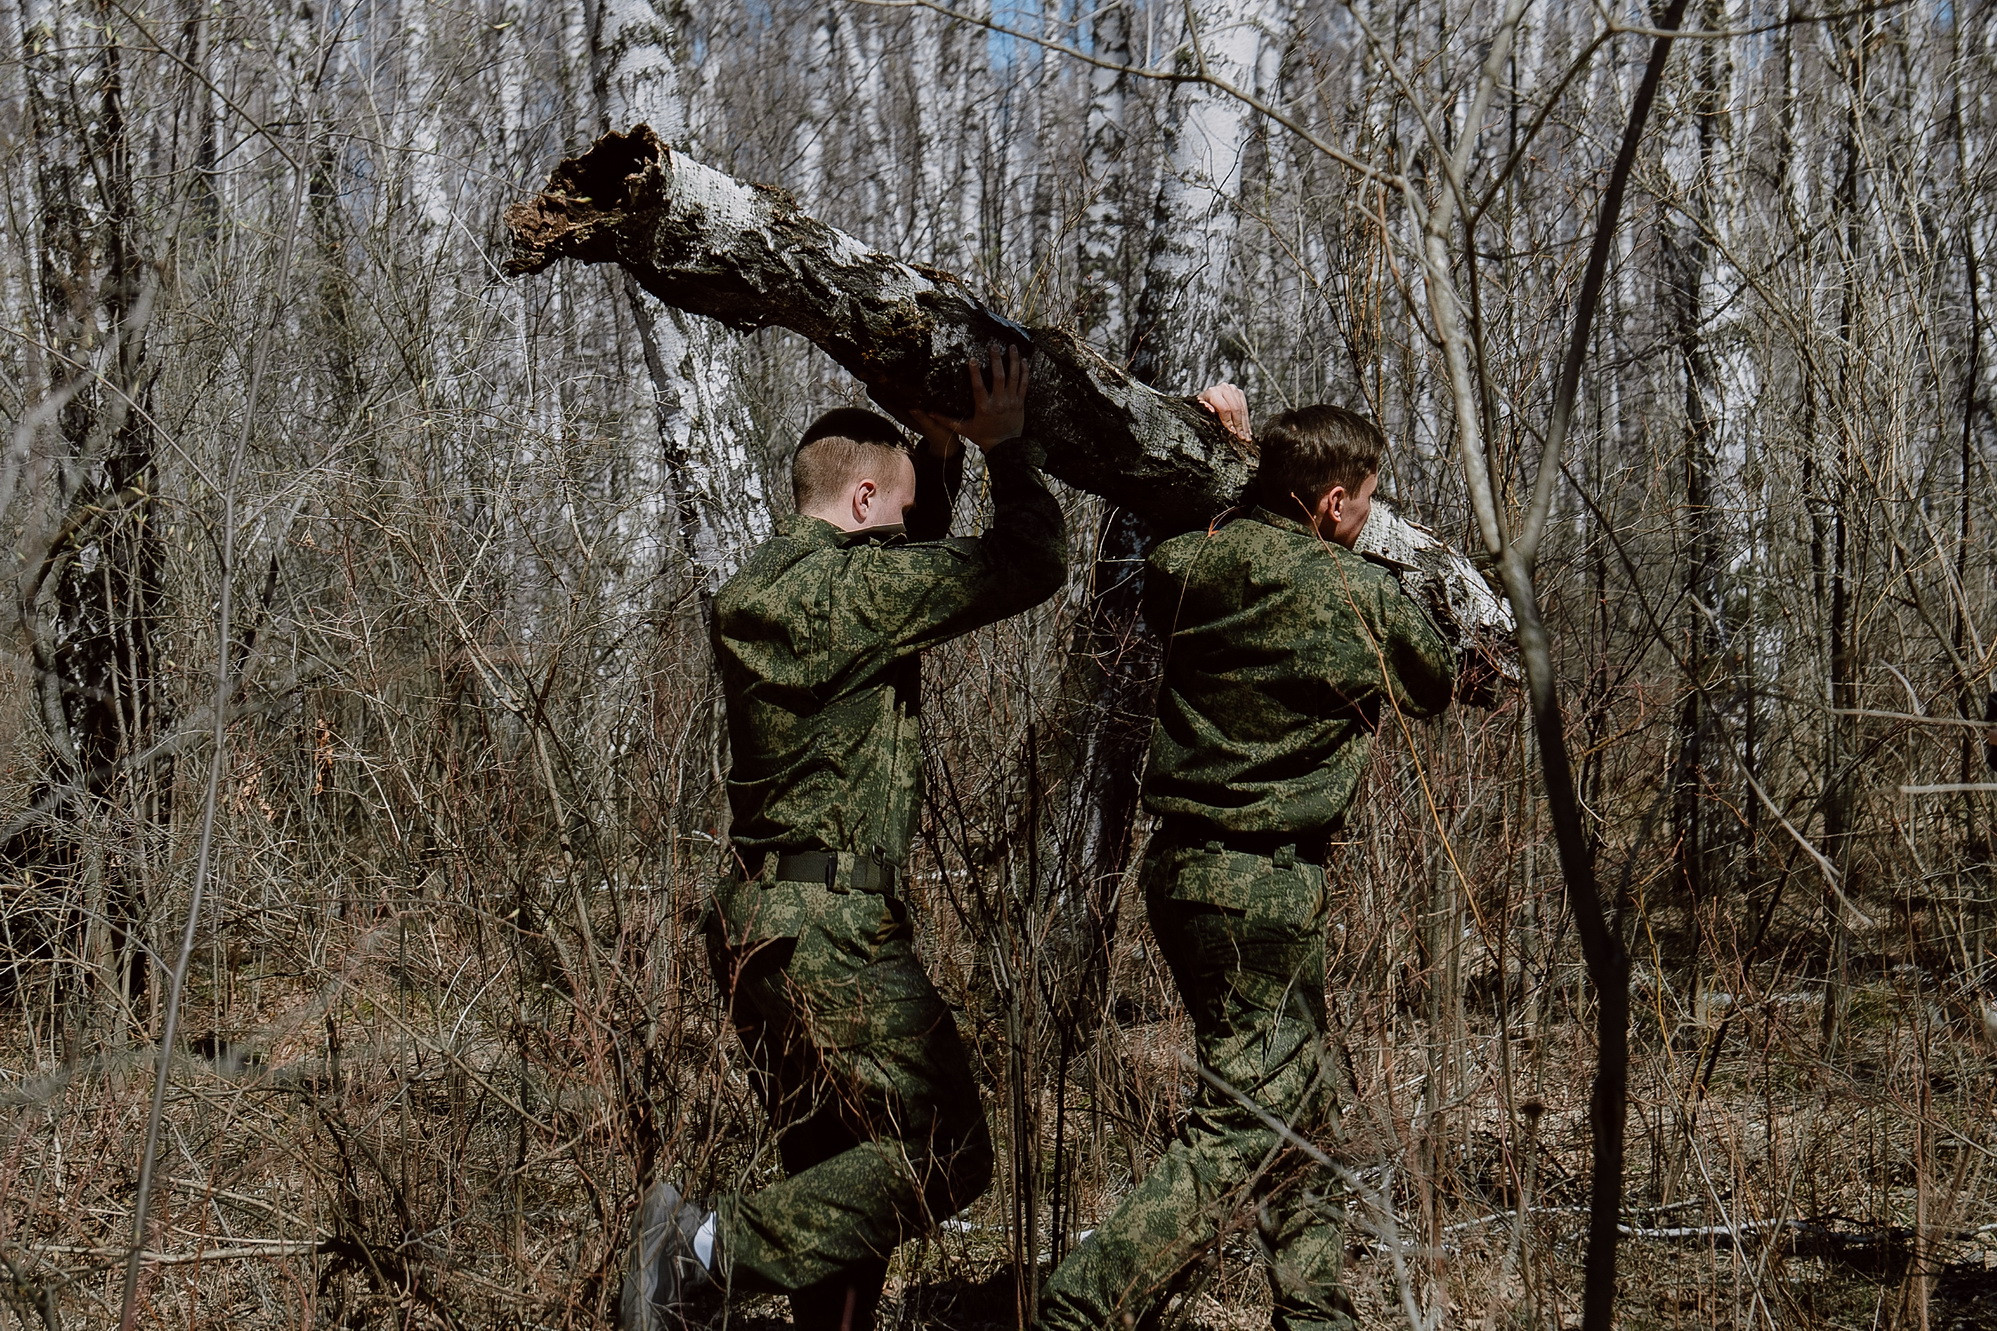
853, 1052
1283, 650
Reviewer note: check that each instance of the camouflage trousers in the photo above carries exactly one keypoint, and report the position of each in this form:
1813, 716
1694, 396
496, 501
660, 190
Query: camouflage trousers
1244, 938
867, 1084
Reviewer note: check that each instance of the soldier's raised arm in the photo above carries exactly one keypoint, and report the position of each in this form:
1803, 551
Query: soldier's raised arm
913, 596
939, 478
1419, 665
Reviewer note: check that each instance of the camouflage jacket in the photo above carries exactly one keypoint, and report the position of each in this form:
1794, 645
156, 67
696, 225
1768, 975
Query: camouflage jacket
1282, 649
818, 640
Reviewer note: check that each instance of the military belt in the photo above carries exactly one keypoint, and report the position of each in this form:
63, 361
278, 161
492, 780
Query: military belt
1285, 848
840, 871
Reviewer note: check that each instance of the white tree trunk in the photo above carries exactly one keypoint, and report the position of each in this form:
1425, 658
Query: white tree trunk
1181, 306
429, 54
813, 166
719, 506
704, 242
1103, 308
944, 61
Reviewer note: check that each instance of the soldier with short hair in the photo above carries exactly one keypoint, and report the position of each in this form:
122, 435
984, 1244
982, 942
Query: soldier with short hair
853, 1052
1284, 651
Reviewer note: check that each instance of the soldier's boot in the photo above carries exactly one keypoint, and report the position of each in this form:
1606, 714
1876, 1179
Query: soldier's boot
666, 1264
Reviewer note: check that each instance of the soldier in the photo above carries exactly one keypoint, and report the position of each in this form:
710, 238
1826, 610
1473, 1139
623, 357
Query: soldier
1283, 650
852, 1051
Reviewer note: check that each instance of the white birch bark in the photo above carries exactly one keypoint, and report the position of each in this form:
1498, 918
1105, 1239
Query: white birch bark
868, 164
428, 55
942, 69
718, 496
811, 177
1179, 311
706, 242
1102, 304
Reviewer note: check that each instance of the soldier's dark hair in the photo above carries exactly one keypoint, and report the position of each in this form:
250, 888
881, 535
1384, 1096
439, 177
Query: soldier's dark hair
839, 448
1307, 451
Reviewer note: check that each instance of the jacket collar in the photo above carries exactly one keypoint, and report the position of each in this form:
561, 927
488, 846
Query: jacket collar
820, 534
1281, 523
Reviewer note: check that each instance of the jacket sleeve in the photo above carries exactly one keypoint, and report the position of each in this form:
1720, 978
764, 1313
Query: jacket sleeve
937, 482
1376, 642
895, 600
1420, 664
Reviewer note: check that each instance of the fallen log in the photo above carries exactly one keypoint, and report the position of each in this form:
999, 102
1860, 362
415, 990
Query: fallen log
1477, 620
748, 256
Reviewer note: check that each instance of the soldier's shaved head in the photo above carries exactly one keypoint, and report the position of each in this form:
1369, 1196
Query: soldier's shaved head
1308, 451
840, 448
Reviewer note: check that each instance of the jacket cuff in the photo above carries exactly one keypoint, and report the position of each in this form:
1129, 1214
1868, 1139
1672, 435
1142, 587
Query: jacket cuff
1021, 450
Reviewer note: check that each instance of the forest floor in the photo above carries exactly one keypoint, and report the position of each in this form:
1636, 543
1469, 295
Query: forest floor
365, 1137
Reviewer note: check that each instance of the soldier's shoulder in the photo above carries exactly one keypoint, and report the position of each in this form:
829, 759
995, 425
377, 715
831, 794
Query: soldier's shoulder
1212, 557
1290, 547
762, 573
1175, 553
1307, 564
1338, 575
1360, 570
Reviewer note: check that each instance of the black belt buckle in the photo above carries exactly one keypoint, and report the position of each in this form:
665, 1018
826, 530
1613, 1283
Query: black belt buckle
865, 873
1285, 850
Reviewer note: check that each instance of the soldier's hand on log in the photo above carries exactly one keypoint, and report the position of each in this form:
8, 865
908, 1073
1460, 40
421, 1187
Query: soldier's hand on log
938, 433
998, 405
1230, 404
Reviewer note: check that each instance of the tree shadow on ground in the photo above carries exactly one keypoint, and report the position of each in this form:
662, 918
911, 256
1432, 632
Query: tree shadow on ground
957, 1304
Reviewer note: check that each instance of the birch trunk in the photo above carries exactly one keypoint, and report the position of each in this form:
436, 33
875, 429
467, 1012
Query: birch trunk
748, 257
717, 494
91, 597
1100, 310
1688, 262
1181, 305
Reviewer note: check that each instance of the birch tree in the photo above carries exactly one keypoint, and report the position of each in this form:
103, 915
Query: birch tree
638, 66
90, 593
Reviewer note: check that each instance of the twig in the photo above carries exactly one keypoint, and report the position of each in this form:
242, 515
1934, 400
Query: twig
251, 1251
1913, 716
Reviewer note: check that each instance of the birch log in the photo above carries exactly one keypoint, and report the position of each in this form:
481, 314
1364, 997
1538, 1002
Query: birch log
747, 256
